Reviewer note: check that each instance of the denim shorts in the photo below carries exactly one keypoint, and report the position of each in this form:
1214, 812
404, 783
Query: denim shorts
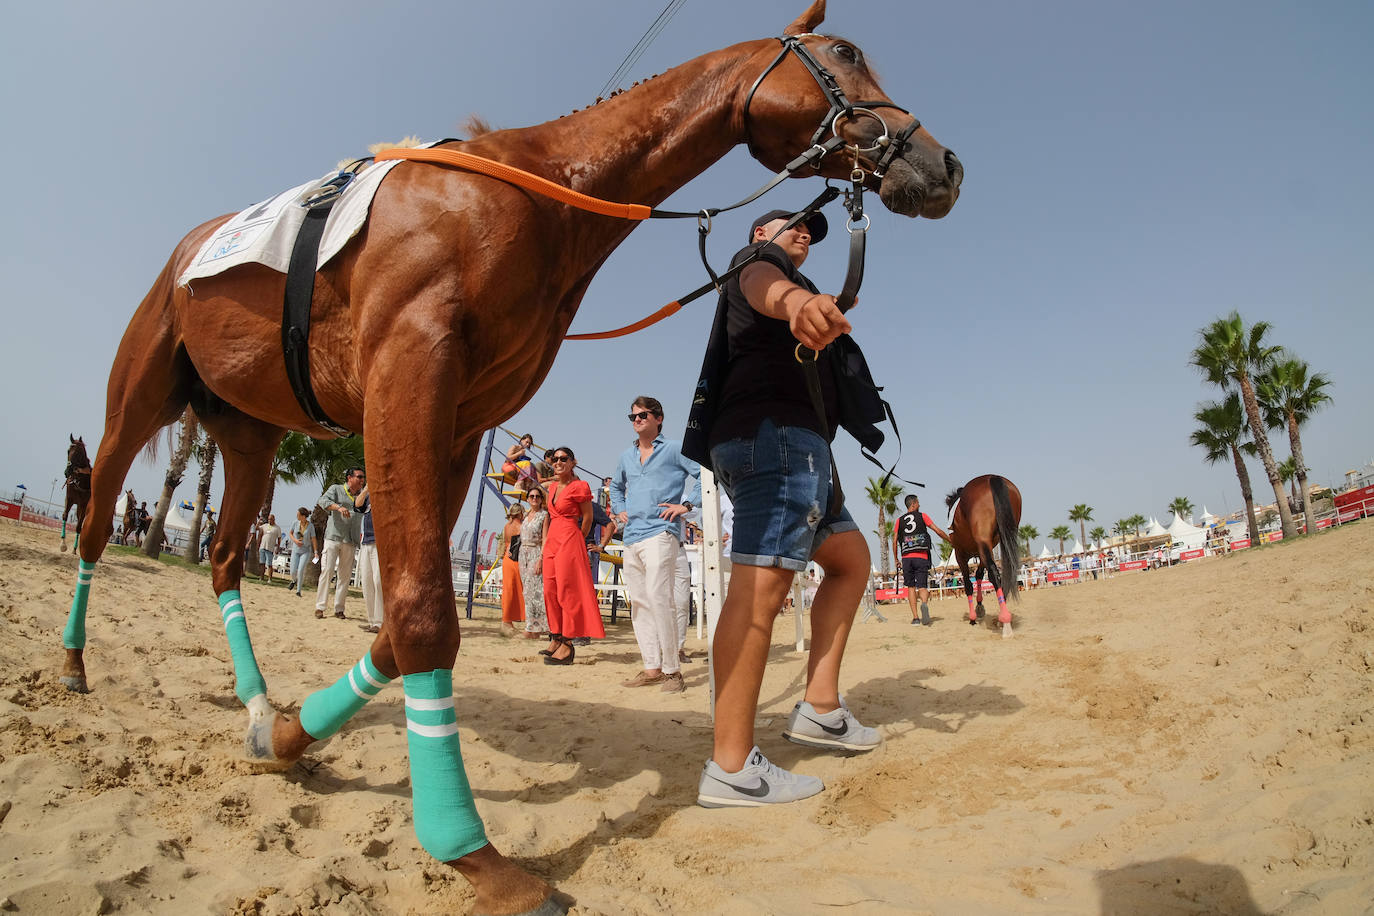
779, 483
265, 557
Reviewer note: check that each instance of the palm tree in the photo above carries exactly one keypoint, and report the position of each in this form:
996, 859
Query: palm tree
946, 548
1027, 533
1061, 533
1230, 355
206, 451
1225, 434
1136, 522
1122, 528
1081, 513
1097, 534
1288, 473
883, 494
1181, 507
176, 469
1289, 396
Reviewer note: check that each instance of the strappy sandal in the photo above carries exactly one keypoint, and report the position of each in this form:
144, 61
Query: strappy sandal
572, 654
548, 652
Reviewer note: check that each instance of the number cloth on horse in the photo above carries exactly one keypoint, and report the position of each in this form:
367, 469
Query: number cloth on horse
265, 232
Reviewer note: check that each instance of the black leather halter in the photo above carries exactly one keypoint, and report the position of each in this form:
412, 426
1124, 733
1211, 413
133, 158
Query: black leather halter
887, 146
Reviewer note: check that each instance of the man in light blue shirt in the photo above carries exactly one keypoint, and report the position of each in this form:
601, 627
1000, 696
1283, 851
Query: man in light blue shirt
646, 498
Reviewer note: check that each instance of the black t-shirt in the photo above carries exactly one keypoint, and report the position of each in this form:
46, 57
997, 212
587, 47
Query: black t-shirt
913, 540
762, 378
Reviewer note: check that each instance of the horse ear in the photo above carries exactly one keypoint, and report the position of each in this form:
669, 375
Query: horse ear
71, 437
808, 20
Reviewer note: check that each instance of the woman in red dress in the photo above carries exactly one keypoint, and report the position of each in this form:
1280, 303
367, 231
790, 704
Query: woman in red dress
569, 596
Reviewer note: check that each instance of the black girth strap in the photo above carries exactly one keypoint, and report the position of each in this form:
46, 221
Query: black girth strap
300, 292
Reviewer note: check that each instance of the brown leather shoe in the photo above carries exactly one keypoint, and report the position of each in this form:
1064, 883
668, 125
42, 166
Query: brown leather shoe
673, 683
643, 679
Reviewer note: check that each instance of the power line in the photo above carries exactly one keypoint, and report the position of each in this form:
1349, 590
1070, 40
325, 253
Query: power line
632, 58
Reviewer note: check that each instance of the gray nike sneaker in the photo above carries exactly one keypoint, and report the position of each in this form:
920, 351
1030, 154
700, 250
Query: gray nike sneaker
758, 783
835, 729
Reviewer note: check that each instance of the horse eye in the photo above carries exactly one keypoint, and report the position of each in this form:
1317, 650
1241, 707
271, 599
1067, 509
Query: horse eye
846, 52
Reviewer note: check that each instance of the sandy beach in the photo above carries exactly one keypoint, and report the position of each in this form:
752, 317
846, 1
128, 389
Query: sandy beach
1190, 740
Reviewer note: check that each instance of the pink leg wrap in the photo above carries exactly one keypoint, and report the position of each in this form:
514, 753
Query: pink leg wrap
1003, 615
972, 613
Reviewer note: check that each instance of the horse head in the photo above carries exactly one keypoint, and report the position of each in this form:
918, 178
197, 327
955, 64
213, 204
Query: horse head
817, 88
76, 453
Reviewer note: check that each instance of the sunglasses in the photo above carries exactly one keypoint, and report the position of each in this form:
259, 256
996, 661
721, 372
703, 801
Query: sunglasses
559, 459
642, 415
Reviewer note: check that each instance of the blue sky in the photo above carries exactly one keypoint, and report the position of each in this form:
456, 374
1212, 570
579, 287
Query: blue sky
1133, 172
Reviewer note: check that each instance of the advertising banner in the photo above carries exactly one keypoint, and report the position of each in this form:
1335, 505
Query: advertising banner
1132, 564
1067, 575
1191, 554
1240, 543
889, 594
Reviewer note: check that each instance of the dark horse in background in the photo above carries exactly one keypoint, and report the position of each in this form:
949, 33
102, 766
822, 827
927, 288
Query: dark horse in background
412, 328
78, 477
987, 514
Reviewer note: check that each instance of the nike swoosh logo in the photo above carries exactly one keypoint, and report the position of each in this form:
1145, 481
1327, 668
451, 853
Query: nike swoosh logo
828, 729
758, 791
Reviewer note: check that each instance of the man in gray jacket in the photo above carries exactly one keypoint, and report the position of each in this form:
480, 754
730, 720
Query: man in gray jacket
341, 537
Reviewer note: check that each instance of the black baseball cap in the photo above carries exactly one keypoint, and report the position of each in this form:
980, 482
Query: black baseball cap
815, 222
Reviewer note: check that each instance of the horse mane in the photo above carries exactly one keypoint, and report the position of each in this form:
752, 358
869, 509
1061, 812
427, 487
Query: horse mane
614, 93
953, 497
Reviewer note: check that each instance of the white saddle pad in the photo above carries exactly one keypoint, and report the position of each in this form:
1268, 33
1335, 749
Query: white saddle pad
265, 232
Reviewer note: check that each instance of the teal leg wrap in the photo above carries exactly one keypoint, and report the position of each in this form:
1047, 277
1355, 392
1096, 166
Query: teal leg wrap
248, 681
446, 821
325, 711
74, 636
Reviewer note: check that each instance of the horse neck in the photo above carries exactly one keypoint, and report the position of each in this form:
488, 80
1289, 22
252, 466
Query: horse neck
642, 145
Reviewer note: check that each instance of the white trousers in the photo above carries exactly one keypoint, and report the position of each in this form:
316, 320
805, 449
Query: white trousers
337, 557
682, 594
650, 576
370, 577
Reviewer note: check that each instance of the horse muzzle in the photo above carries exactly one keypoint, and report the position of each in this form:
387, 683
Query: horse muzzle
922, 182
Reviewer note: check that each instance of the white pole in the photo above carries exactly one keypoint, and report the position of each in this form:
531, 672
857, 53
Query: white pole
798, 608
712, 574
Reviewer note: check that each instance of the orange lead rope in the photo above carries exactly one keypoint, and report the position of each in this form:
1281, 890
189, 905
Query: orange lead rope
520, 178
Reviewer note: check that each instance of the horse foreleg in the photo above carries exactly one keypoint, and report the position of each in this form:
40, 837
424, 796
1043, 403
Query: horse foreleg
324, 712
422, 619
247, 446
968, 588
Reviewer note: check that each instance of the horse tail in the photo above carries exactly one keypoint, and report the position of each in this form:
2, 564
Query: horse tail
1006, 534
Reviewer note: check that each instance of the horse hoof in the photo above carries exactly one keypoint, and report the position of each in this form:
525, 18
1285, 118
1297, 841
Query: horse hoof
1006, 631
972, 622
64, 548
75, 683
257, 741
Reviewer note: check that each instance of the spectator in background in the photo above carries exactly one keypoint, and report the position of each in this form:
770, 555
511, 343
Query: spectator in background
304, 543
342, 534
369, 568
532, 566
210, 525
569, 597
512, 591
269, 535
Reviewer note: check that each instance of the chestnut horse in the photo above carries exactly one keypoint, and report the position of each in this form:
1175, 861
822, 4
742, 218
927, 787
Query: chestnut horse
987, 514
413, 345
78, 476
130, 520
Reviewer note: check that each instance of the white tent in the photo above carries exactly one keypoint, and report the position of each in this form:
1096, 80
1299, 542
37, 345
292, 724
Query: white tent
1045, 553
1208, 519
1154, 529
1077, 548
1186, 536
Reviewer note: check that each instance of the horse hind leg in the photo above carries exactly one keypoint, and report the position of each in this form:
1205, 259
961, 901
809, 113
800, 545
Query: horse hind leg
148, 388
1003, 612
247, 446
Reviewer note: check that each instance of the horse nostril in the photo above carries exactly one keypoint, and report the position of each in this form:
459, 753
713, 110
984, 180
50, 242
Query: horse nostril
954, 168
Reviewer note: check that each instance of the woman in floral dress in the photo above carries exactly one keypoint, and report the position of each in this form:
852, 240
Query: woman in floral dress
532, 566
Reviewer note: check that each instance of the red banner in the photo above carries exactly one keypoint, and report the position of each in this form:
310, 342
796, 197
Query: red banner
1192, 554
889, 594
1325, 523
9, 510
1067, 575
1132, 564
1240, 543
1273, 536
1349, 515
